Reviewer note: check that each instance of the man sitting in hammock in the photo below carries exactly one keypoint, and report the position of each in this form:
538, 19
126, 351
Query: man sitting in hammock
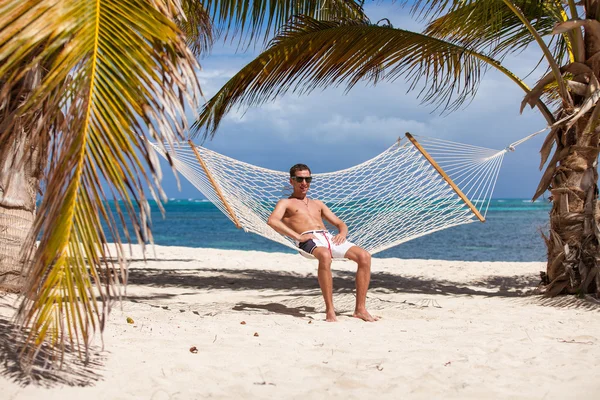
300, 218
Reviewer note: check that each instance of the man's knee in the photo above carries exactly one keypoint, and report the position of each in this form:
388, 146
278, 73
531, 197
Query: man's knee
324, 260
363, 258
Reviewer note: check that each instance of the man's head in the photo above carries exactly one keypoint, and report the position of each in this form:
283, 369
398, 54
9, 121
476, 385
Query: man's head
298, 167
300, 178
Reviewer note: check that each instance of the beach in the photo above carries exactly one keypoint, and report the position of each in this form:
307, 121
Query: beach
212, 323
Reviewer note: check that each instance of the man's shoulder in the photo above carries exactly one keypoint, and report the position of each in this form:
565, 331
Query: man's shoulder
284, 202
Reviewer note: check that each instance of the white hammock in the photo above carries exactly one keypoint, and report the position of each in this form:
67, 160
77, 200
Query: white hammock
412, 189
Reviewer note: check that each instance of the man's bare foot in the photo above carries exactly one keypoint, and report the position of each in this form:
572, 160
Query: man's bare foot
365, 316
330, 316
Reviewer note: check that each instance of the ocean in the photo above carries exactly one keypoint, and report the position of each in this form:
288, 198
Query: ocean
512, 232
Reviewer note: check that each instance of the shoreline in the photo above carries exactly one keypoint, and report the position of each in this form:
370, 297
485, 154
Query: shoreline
449, 329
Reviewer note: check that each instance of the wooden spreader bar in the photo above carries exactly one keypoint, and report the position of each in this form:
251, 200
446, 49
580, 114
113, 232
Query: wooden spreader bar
445, 176
215, 186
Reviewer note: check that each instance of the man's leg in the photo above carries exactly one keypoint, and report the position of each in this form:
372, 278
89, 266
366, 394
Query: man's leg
326, 281
363, 277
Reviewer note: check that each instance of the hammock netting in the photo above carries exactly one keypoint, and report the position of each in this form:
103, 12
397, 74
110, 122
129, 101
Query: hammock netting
416, 187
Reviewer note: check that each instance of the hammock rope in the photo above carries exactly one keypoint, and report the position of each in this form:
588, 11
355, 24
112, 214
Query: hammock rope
417, 186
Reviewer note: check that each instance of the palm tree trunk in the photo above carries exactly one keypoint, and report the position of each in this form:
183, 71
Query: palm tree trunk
574, 238
19, 177
14, 227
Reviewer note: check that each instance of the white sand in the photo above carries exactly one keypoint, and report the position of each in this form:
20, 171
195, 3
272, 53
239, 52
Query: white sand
449, 329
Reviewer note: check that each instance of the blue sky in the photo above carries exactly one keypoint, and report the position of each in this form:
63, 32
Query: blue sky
331, 130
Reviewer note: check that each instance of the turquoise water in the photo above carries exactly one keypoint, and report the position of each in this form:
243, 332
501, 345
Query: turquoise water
512, 232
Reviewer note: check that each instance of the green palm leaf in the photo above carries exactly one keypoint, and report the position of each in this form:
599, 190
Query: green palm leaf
490, 26
248, 19
122, 71
427, 10
197, 26
312, 54
508, 26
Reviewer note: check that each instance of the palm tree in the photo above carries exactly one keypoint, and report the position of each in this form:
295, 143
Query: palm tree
20, 170
463, 39
84, 84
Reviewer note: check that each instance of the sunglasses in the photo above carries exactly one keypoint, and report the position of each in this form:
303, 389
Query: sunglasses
299, 179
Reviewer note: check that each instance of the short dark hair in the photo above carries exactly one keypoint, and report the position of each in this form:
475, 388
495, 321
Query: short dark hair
299, 167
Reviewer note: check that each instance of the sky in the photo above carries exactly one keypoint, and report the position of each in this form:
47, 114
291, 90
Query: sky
331, 130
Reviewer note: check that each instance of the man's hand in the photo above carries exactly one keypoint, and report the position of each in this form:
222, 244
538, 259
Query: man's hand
305, 237
339, 238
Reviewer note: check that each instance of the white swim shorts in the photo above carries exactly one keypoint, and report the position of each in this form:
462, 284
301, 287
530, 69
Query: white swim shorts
324, 239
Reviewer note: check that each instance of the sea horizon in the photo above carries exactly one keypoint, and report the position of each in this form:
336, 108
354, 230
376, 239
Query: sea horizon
511, 232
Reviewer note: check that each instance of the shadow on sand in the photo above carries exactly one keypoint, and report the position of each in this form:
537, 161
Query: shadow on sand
253, 279
276, 308
44, 370
518, 286
587, 303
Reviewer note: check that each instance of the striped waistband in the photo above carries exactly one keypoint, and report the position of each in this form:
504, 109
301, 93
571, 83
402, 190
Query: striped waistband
315, 231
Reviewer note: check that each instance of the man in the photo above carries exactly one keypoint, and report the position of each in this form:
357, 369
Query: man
301, 219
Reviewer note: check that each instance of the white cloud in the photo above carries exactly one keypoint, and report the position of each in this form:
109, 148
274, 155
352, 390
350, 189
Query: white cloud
370, 128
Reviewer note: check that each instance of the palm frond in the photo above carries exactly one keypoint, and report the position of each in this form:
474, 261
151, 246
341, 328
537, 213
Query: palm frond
490, 26
312, 54
120, 70
430, 9
502, 27
196, 23
250, 20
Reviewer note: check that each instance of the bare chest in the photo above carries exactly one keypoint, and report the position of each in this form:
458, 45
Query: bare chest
298, 209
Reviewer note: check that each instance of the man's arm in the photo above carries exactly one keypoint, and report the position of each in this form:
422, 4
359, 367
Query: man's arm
275, 222
335, 221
